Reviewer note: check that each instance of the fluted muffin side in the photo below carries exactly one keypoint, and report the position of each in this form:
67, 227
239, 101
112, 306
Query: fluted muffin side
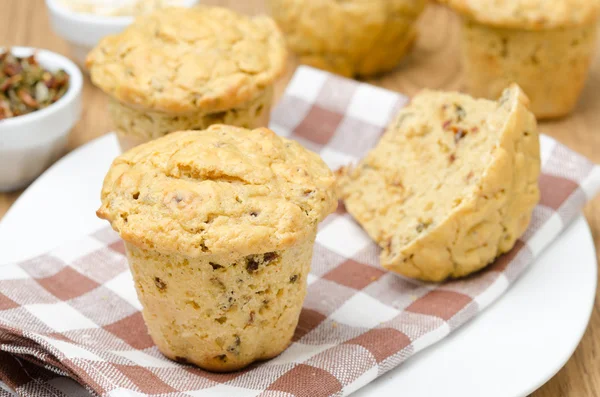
218, 313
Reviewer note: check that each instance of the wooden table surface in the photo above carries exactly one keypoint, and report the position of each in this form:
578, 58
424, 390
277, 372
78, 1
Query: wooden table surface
433, 64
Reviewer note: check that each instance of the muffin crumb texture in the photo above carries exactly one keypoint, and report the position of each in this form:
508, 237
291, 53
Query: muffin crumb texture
220, 191
450, 186
179, 60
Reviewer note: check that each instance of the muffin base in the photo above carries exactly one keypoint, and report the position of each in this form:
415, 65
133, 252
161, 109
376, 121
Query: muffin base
219, 314
551, 66
135, 127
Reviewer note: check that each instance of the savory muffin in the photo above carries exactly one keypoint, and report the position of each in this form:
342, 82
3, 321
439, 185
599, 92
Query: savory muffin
544, 46
219, 227
450, 186
182, 68
352, 37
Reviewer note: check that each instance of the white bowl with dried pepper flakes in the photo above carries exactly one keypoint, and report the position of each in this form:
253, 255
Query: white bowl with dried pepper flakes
40, 101
84, 22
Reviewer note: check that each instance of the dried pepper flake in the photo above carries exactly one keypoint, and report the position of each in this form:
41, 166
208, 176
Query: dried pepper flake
25, 86
458, 135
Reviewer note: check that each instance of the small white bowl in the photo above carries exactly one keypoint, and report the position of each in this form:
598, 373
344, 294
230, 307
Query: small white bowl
84, 31
31, 142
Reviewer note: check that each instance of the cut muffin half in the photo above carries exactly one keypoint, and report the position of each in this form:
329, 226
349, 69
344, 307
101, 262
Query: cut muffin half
450, 186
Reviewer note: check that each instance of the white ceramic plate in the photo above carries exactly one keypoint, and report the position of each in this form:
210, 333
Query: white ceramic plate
510, 350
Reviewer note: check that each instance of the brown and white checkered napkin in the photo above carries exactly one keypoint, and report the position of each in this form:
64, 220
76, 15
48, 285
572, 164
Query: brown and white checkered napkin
74, 313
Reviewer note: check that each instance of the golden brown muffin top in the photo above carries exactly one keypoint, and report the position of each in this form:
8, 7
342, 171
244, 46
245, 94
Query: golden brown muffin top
528, 14
179, 60
224, 190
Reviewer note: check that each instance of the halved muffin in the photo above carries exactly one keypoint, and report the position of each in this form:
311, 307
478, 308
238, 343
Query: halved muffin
450, 186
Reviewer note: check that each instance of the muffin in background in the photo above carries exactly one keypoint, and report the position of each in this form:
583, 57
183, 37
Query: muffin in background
352, 37
544, 46
180, 68
219, 227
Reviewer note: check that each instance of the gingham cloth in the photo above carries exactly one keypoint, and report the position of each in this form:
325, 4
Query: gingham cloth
74, 313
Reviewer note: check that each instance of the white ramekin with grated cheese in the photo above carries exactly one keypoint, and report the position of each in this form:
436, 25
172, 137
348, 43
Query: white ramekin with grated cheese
115, 8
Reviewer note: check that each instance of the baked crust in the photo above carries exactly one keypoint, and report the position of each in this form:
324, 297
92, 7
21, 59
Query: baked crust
179, 60
220, 191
